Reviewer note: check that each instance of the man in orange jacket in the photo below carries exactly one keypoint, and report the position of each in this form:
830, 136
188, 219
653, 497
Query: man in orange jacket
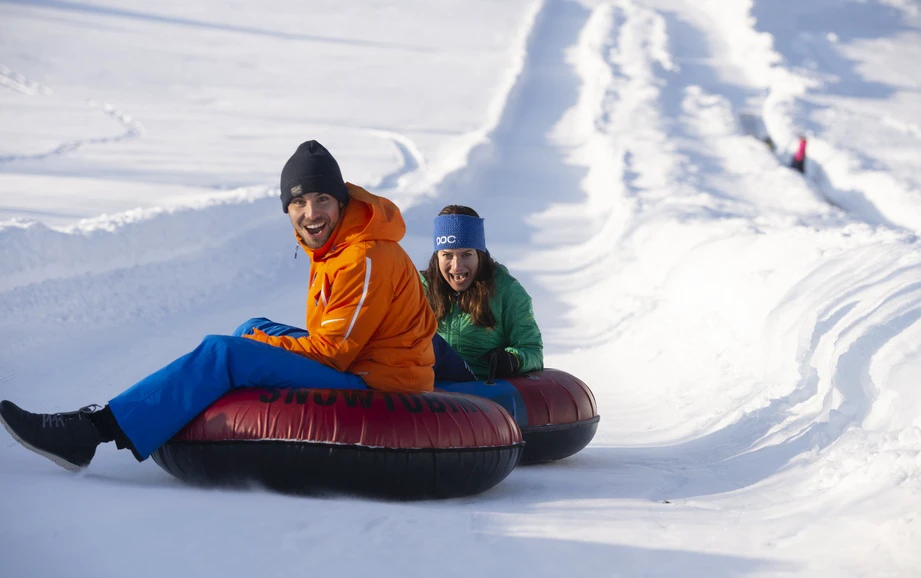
368, 326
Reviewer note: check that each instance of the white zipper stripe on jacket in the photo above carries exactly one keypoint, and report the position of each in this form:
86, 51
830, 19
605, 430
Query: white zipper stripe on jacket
364, 293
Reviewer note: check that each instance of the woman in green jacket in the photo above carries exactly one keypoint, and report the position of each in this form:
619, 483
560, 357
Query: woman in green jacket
483, 312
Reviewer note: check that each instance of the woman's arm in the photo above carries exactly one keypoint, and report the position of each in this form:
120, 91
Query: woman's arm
524, 339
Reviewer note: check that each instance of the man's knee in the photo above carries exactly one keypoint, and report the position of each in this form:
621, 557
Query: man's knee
217, 342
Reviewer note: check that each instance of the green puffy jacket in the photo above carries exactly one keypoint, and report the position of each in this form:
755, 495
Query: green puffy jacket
515, 330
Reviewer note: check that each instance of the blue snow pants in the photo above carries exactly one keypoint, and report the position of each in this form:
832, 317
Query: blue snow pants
449, 365
154, 409
501, 392
452, 374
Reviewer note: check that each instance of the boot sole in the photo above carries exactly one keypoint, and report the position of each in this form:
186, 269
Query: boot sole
71, 467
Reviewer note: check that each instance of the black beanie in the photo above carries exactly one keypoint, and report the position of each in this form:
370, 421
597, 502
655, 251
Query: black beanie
311, 169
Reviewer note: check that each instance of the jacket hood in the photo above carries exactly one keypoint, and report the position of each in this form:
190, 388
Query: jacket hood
366, 217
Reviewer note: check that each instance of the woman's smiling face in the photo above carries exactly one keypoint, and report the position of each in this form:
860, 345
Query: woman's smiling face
459, 267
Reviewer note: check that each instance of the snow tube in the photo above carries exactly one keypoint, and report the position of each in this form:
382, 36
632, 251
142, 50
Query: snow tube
561, 415
555, 411
405, 446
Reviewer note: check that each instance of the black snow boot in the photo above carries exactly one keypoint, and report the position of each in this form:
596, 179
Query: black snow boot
67, 439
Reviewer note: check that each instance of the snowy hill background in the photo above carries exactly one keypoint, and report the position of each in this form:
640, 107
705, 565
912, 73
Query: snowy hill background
753, 337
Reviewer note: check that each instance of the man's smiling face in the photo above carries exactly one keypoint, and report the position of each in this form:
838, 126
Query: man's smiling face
314, 217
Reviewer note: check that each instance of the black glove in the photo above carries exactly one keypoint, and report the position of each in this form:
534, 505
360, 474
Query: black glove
502, 363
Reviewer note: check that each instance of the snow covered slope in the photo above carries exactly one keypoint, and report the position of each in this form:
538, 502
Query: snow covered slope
753, 337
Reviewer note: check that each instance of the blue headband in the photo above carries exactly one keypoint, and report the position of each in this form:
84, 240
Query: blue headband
459, 232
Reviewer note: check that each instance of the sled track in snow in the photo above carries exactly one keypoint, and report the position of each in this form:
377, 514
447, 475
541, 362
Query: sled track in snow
843, 328
131, 128
411, 160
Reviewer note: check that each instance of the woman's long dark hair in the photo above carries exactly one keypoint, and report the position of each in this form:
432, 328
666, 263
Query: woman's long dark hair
475, 299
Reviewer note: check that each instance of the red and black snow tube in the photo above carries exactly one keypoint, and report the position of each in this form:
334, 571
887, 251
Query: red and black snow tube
408, 446
562, 415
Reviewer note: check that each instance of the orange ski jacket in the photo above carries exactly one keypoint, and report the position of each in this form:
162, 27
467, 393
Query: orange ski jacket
366, 308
